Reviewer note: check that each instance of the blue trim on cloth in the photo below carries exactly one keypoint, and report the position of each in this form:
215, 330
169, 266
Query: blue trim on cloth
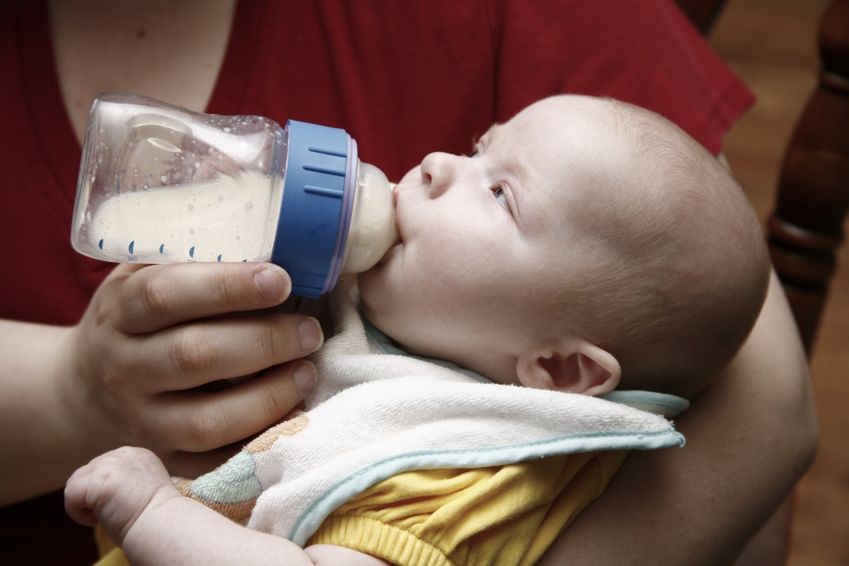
659, 403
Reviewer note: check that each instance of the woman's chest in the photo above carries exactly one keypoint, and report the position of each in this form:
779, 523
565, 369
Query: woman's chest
171, 51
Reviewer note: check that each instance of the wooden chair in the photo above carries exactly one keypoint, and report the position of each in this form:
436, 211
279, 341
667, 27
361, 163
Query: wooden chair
805, 229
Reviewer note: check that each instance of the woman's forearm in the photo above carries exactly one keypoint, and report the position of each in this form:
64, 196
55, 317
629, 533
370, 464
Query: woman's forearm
40, 444
750, 436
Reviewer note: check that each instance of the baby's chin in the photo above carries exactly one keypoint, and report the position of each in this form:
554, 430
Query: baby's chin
371, 285
382, 302
377, 283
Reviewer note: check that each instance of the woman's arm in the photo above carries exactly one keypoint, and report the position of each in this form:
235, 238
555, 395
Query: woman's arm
750, 436
38, 436
133, 370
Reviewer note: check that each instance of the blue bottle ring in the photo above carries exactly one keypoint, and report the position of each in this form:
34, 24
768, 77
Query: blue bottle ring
315, 212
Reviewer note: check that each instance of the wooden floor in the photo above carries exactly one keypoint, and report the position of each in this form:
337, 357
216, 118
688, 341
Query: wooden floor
771, 44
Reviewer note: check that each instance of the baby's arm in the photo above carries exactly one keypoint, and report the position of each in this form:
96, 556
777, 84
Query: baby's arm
129, 492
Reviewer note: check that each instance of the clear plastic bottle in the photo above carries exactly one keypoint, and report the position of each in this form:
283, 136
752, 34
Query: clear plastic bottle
161, 184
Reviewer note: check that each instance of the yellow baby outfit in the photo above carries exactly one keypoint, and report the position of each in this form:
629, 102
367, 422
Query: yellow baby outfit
501, 515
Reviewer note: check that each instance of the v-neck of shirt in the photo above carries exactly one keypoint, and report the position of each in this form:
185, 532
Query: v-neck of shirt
46, 108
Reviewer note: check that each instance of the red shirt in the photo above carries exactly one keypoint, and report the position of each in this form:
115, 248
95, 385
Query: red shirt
403, 78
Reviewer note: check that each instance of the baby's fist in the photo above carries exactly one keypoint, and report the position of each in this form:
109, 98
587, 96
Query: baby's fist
115, 488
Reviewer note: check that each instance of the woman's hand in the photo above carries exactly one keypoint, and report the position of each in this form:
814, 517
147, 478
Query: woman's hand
151, 339
138, 367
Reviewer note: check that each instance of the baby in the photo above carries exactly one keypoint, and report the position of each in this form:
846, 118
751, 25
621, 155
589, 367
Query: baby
585, 241
586, 245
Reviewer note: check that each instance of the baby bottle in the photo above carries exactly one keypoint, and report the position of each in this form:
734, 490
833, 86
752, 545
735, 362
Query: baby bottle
161, 184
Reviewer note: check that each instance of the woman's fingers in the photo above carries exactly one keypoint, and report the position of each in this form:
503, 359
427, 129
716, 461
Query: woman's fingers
154, 336
199, 421
160, 296
190, 355
194, 464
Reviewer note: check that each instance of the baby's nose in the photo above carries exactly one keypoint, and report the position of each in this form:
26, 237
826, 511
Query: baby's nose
438, 172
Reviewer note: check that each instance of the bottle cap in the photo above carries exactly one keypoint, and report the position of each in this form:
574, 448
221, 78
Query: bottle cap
315, 212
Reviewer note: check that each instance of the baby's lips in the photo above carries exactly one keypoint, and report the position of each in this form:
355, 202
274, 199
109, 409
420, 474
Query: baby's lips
393, 187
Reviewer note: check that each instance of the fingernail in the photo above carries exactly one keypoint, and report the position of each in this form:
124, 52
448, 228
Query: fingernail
272, 284
305, 378
310, 334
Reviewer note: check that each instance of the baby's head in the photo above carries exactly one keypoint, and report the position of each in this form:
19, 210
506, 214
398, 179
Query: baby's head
585, 243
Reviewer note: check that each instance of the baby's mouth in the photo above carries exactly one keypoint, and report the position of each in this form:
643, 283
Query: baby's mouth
396, 210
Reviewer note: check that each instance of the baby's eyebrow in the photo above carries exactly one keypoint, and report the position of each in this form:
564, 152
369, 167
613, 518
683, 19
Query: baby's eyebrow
490, 133
486, 138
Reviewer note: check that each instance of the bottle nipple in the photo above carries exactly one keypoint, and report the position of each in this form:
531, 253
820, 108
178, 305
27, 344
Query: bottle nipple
373, 230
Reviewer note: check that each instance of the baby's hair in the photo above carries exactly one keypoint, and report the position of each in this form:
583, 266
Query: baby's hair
677, 269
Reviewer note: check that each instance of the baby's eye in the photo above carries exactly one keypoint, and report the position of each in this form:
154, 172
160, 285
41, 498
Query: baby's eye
500, 196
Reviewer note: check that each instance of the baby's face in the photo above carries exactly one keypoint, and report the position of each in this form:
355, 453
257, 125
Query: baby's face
486, 239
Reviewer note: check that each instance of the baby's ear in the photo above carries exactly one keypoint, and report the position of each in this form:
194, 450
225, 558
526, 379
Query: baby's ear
570, 364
